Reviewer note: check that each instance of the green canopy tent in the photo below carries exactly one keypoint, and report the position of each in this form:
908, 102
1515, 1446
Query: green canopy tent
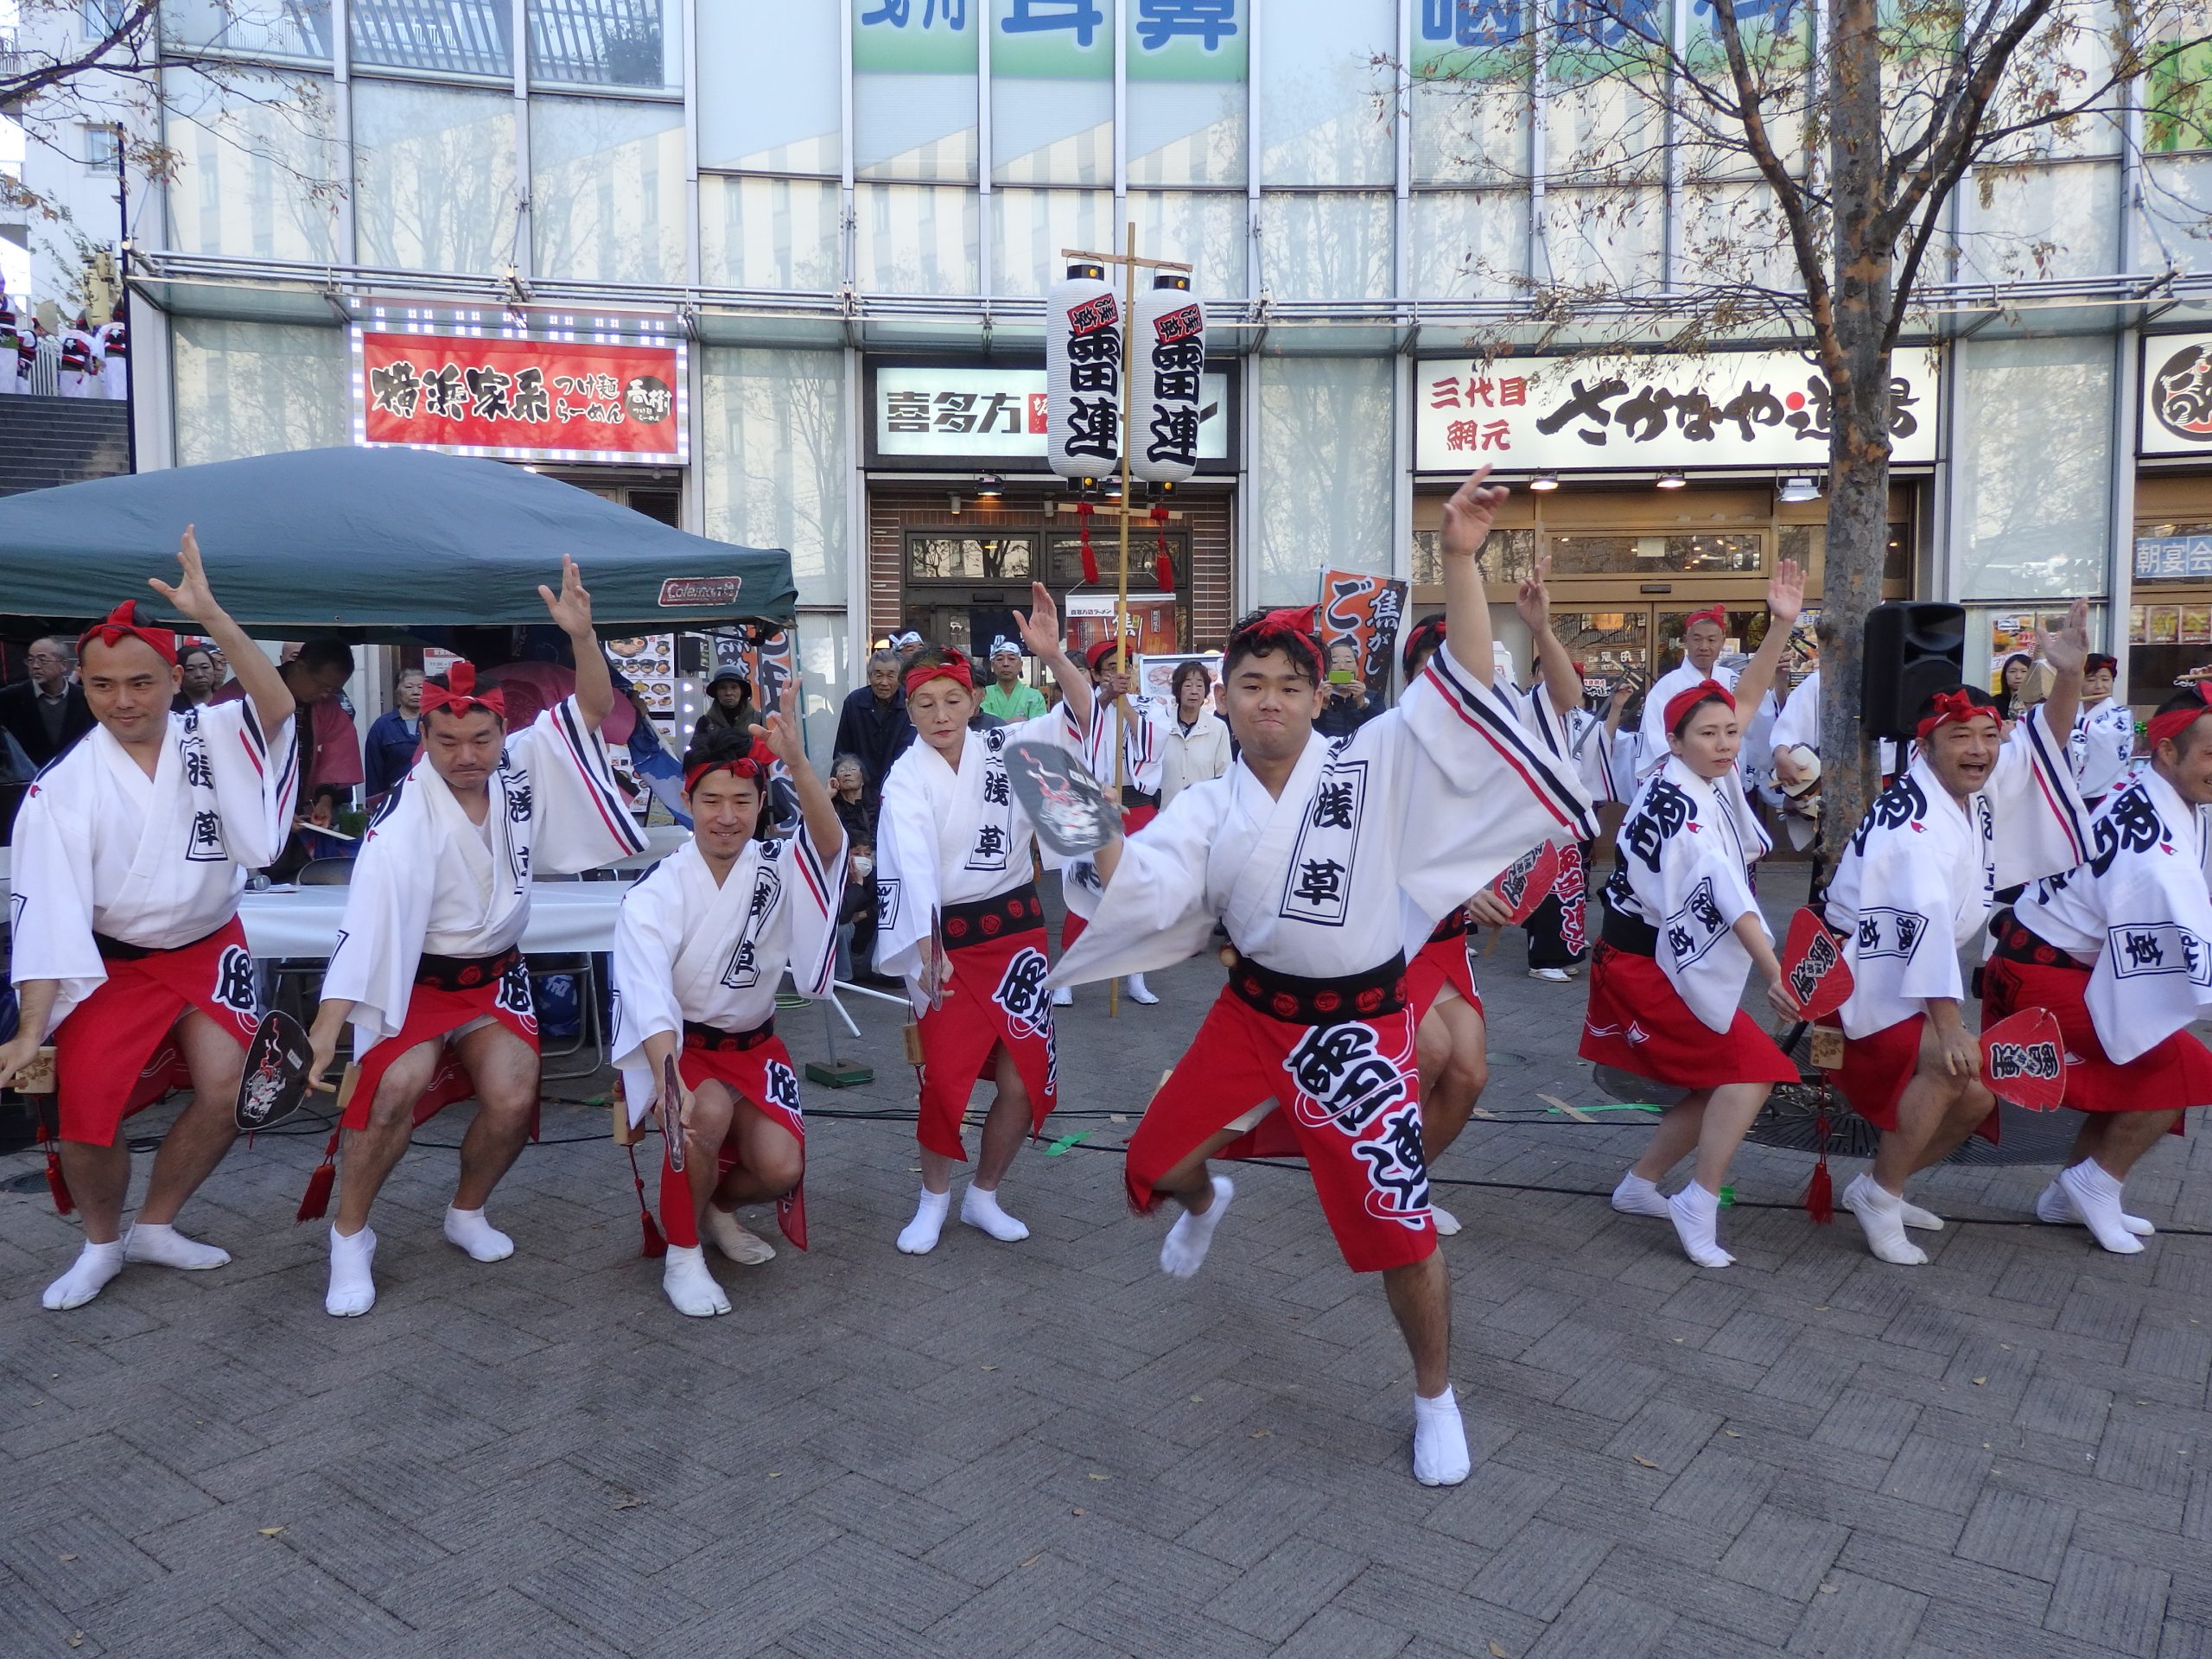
375, 544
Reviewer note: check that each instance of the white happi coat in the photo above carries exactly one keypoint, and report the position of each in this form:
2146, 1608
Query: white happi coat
1431, 799
1652, 749
1798, 725
687, 948
947, 837
1679, 867
430, 882
158, 862
2139, 911
1144, 751
1921, 871
2102, 743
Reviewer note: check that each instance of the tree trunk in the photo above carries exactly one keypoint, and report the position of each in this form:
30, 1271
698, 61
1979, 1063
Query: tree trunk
1857, 357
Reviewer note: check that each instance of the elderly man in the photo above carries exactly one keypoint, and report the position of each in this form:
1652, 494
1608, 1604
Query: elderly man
1704, 633
48, 712
1007, 698
873, 724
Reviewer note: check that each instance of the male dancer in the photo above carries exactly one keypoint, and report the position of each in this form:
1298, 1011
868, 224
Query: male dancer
2120, 950
1143, 739
428, 956
1974, 811
129, 854
1301, 850
1703, 634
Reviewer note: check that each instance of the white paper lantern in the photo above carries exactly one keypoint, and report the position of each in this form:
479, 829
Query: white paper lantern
1083, 375
1168, 365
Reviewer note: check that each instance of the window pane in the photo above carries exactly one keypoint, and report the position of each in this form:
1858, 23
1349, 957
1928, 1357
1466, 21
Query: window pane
608, 190
770, 234
461, 37
1186, 98
1575, 555
605, 43
1508, 556
1734, 234
1471, 132
1605, 128
1052, 92
2174, 221
1324, 471
288, 28
1469, 243
951, 556
2179, 100
434, 176
1209, 229
2045, 221
256, 173
1604, 238
1808, 544
1326, 245
1324, 97
1033, 225
2033, 487
916, 239
777, 457
253, 388
1066, 555
773, 110
914, 88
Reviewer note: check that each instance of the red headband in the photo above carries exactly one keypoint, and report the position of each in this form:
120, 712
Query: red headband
743, 766
459, 693
1952, 708
954, 667
1298, 623
1098, 653
1717, 614
2173, 724
1678, 705
122, 624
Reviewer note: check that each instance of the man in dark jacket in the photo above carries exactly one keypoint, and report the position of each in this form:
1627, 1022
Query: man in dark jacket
47, 713
873, 725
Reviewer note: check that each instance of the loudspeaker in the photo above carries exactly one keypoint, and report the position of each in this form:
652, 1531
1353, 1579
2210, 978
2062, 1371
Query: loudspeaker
1915, 648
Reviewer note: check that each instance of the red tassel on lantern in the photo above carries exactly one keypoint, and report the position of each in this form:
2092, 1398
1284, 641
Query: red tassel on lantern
654, 1245
1163, 567
316, 1203
1090, 559
1819, 1192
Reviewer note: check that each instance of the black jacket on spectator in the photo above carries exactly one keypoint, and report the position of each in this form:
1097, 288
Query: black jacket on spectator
20, 716
877, 733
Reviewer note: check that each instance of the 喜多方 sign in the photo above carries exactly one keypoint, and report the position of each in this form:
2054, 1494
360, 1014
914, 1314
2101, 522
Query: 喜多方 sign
522, 399
998, 415
1608, 413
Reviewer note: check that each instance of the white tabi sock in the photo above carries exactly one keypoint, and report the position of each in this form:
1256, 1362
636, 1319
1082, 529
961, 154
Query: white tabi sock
1696, 1215
1447, 1223
1140, 993
1881, 1214
1910, 1213
1064, 997
163, 1246
736, 1240
87, 1276
1439, 1440
353, 1287
483, 1241
980, 1209
1183, 1250
1637, 1196
690, 1289
918, 1237
2055, 1206
2096, 1197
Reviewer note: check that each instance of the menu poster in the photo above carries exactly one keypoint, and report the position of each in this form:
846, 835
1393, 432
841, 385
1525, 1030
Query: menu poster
648, 662
2165, 625
1156, 673
2195, 625
2138, 625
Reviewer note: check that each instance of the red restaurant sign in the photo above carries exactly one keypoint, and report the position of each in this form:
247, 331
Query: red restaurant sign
522, 399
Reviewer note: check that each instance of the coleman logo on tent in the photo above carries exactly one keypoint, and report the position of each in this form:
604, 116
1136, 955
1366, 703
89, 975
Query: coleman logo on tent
699, 590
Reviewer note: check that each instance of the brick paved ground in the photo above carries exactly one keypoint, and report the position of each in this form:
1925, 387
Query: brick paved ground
1051, 1449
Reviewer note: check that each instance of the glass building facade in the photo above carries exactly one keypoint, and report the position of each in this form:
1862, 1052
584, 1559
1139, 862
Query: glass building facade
850, 208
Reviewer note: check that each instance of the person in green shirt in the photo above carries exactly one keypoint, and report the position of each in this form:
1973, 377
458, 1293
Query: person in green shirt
1007, 697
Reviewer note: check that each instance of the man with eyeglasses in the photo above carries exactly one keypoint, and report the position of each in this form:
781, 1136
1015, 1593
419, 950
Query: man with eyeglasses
47, 713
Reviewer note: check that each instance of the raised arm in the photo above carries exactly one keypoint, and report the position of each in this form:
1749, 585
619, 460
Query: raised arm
1040, 631
2067, 651
1467, 519
265, 686
1556, 669
817, 809
1785, 598
570, 610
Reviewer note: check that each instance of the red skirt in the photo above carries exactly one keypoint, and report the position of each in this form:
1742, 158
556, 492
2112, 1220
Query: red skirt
997, 997
1441, 962
115, 1054
763, 1076
1876, 1070
1637, 1022
2175, 1074
1360, 1136
432, 1013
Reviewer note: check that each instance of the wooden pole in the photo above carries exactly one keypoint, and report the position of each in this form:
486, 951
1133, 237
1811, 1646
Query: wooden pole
1122, 596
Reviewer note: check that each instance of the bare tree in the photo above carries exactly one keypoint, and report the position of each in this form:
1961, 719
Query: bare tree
1819, 149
